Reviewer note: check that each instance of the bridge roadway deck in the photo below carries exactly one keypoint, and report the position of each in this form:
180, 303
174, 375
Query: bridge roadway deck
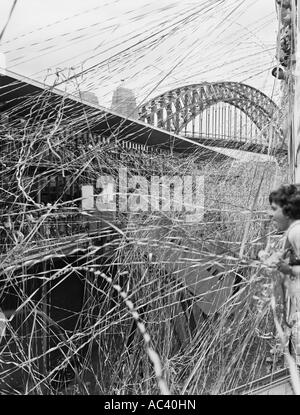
239, 145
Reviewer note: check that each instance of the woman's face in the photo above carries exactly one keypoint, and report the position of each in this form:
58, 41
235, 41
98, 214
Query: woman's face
282, 221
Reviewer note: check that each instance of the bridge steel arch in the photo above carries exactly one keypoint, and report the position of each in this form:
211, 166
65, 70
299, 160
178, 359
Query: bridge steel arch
174, 109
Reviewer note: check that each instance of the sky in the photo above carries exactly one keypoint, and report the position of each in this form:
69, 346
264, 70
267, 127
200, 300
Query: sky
155, 46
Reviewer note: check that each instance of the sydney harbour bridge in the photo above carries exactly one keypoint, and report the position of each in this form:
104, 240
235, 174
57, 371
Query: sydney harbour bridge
221, 114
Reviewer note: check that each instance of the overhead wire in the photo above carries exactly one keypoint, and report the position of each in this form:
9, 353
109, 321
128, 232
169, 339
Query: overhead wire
8, 19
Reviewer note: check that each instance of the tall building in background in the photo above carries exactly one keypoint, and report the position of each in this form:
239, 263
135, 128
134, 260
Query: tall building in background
124, 102
2, 62
89, 97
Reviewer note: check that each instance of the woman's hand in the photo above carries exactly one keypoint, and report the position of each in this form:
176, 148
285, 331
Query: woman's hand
283, 267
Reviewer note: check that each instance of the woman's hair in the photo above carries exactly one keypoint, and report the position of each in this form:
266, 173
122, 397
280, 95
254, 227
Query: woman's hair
288, 198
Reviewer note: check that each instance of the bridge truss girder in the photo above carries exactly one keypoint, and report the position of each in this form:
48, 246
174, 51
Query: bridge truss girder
174, 109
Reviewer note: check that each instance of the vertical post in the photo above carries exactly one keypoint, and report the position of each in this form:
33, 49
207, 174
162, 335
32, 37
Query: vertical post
193, 127
216, 121
295, 139
225, 119
222, 121
229, 121
241, 125
201, 124
235, 124
219, 121
208, 121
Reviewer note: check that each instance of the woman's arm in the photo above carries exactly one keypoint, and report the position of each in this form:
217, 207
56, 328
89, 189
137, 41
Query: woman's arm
294, 239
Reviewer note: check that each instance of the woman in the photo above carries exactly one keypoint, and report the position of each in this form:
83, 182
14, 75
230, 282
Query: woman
285, 205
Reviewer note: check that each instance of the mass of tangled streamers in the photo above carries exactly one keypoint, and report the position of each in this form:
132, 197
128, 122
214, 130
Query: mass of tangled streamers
166, 306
